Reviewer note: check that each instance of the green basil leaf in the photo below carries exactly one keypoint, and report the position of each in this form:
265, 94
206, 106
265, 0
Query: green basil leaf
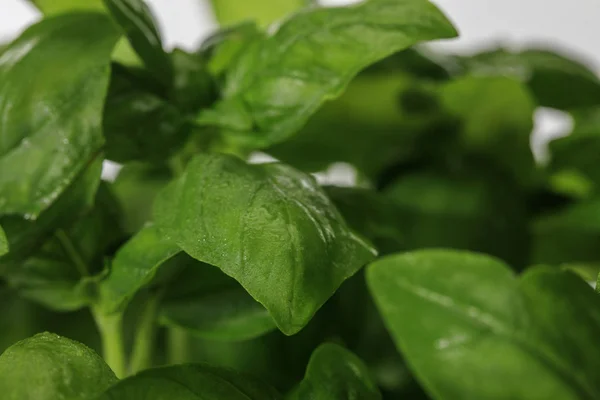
190, 382
136, 186
281, 80
496, 115
449, 310
138, 124
264, 12
51, 125
474, 207
334, 373
50, 7
570, 235
577, 156
133, 267
3, 242
555, 80
281, 237
26, 236
138, 24
49, 367
205, 302
193, 86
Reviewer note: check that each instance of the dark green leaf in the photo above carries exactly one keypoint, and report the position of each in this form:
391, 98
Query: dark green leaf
48, 367
576, 156
136, 20
555, 80
57, 274
209, 304
282, 80
138, 124
136, 186
334, 373
264, 12
3, 242
189, 382
133, 267
452, 312
51, 120
193, 85
496, 115
281, 237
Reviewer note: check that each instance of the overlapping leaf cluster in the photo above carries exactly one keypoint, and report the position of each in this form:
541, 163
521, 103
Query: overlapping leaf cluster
201, 275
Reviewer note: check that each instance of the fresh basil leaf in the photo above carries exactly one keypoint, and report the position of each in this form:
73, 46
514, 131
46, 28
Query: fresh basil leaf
281, 81
570, 235
281, 237
26, 236
133, 267
138, 24
209, 304
335, 373
193, 86
57, 275
3, 242
138, 124
136, 186
474, 207
496, 115
189, 382
51, 124
49, 367
555, 80
264, 12
449, 310
51, 7
372, 215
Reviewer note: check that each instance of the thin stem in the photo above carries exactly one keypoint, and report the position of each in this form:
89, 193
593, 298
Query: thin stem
111, 333
178, 345
143, 347
72, 252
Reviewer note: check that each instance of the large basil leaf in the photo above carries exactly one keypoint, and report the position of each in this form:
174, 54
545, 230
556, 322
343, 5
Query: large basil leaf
49, 367
280, 236
229, 12
136, 20
133, 267
58, 274
3, 242
139, 124
51, 120
136, 186
334, 373
496, 117
449, 311
282, 80
555, 80
190, 382
209, 304
27, 236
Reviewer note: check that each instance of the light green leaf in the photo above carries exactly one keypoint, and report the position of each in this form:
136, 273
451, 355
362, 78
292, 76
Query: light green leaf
334, 373
51, 120
281, 237
51, 7
205, 302
555, 80
451, 312
3, 242
189, 382
264, 12
282, 80
133, 267
138, 24
49, 367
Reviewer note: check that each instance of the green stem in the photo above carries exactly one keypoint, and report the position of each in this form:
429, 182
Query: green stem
141, 357
72, 252
178, 345
111, 333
